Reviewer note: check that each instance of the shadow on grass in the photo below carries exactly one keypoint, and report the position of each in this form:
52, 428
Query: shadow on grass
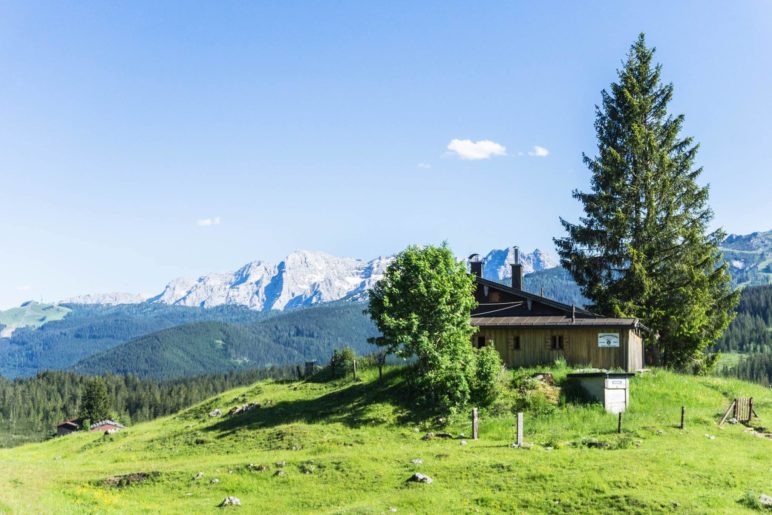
349, 405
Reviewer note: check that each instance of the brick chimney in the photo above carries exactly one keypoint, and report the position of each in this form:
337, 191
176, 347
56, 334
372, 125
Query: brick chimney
475, 265
517, 271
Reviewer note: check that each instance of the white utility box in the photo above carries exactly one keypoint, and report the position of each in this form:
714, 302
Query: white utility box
610, 388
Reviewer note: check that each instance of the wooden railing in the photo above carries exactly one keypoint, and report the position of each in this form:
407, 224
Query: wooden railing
741, 410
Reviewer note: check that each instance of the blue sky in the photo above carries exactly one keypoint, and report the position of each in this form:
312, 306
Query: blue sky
140, 141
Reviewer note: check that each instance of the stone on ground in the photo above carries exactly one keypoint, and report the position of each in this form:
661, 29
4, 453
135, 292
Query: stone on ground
230, 501
420, 478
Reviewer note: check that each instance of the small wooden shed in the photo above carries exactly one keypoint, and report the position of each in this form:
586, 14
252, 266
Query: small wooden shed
67, 427
531, 330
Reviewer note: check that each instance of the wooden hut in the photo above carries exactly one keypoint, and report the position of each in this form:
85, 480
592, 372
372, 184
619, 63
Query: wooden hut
67, 427
530, 330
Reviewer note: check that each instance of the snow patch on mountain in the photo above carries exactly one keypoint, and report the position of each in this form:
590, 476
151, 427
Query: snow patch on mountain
496, 264
112, 299
301, 279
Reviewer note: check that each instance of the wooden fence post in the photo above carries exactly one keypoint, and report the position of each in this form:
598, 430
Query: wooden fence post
474, 424
520, 429
683, 412
355, 369
619, 423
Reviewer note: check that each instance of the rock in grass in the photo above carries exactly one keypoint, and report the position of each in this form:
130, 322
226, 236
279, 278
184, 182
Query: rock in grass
257, 468
420, 478
765, 500
427, 436
279, 473
462, 442
214, 481
215, 412
280, 464
198, 476
130, 479
230, 501
417, 461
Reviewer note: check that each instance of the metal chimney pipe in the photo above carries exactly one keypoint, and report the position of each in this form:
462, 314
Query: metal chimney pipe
476, 265
517, 271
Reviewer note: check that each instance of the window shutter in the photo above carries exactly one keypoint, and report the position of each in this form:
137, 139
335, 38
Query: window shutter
548, 342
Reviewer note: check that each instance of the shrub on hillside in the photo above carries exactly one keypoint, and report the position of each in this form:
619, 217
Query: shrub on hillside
342, 361
487, 379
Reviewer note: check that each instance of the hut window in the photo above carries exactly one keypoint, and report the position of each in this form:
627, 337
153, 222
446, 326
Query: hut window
557, 342
516, 343
480, 342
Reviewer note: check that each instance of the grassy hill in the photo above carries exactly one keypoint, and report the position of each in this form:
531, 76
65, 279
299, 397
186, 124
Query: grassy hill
205, 347
348, 447
30, 314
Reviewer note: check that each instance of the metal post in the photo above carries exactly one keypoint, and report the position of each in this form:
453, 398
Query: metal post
474, 424
619, 423
520, 429
683, 412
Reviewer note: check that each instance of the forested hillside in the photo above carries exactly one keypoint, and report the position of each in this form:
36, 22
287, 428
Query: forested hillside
750, 334
31, 407
88, 329
754, 367
750, 330
555, 283
290, 338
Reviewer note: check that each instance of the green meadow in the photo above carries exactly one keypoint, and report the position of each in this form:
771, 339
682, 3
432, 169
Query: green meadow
348, 446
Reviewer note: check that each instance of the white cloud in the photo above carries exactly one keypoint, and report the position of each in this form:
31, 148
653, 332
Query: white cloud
208, 222
24, 287
424, 166
538, 151
475, 150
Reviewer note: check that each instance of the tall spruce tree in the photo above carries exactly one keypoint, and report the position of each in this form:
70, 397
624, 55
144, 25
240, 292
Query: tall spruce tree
95, 405
642, 248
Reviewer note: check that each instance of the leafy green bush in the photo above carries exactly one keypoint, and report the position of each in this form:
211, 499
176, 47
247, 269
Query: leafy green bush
342, 360
487, 379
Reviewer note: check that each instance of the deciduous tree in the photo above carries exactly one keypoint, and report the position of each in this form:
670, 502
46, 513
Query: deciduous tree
421, 308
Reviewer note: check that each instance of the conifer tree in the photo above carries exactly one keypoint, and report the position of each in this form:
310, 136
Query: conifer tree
95, 405
643, 248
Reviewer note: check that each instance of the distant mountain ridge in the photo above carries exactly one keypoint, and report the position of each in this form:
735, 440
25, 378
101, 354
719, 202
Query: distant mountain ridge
306, 278
287, 338
750, 258
302, 279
